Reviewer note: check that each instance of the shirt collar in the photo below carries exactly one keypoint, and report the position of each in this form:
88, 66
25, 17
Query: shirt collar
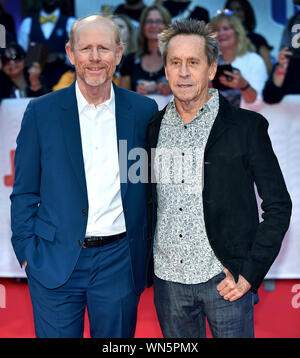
83, 104
212, 104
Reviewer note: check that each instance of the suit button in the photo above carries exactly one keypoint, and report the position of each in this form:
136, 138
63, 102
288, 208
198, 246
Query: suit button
84, 212
79, 242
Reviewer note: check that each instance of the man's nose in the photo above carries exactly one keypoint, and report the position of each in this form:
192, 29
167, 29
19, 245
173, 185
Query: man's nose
184, 70
95, 54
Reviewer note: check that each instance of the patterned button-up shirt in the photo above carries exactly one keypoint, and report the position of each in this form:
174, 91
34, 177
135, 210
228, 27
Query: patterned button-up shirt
182, 252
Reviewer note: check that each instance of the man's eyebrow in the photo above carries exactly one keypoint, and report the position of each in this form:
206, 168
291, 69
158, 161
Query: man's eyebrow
188, 58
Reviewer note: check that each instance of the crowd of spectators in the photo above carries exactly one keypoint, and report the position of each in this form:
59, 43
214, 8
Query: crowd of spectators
247, 73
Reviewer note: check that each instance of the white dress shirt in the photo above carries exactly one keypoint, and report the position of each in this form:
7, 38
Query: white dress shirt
101, 163
47, 28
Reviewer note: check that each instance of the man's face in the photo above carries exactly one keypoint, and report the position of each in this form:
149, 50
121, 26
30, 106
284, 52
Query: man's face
50, 5
187, 69
95, 54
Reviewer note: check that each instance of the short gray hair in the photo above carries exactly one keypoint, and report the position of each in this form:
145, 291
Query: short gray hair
190, 27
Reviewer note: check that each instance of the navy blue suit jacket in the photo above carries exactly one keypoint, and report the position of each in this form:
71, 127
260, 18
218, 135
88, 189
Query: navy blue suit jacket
50, 206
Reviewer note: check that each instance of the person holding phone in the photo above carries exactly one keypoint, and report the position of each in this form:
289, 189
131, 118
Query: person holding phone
17, 81
244, 84
284, 78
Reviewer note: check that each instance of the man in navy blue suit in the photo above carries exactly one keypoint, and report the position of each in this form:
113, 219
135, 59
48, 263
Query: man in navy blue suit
78, 229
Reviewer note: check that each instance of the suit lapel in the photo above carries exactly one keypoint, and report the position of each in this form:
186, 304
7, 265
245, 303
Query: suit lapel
125, 122
222, 123
71, 130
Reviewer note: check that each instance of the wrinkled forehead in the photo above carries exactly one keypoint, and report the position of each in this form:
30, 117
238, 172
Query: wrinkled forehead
102, 29
185, 44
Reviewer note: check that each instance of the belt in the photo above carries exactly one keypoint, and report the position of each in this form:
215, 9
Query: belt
97, 241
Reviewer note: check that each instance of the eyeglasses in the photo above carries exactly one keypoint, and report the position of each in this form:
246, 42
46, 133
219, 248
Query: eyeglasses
154, 22
14, 57
224, 11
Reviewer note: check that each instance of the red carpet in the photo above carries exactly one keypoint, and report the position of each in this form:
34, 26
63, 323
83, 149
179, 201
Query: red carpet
276, 316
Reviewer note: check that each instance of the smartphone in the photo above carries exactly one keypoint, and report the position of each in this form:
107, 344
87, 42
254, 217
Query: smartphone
295, 53
36, 53
220, 72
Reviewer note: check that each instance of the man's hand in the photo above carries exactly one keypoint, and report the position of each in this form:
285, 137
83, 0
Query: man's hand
230, 290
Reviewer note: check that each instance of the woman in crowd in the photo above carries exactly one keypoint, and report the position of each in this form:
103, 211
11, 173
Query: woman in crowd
16, 80
284, 79
244, 11
128, 39
244, 84
143, 71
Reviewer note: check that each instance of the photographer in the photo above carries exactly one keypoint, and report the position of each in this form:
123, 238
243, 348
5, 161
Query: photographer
285, 75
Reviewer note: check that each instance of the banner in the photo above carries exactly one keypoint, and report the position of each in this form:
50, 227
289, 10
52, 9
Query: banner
284, 130
11, 113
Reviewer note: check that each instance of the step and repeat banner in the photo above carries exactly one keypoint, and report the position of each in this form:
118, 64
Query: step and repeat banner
284, 130
11, 113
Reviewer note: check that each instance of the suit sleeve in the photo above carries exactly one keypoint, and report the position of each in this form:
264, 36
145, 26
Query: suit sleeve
276, 205
25, 197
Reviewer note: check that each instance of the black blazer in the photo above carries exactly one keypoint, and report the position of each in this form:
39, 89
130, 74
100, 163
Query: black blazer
237, 155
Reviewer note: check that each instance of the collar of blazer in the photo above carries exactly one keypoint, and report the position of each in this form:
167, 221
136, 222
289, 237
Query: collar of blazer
125, 123
226, 118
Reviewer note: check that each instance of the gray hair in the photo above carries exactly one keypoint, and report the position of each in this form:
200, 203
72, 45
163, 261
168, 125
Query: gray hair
190, 27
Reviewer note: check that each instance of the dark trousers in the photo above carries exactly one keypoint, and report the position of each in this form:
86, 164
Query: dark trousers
102, 282
182, 310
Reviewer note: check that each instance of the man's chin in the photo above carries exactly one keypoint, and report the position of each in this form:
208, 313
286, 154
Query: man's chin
94, 82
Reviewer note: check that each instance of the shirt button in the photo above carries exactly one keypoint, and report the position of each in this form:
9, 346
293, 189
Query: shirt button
182, 153
181, 261
180, 209
185, 127
180, 235
182, 181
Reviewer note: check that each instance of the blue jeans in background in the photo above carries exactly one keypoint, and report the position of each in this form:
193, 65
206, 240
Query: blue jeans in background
183, 308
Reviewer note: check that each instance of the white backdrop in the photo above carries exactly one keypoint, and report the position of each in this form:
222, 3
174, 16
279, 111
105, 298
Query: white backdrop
11, 113
284, 130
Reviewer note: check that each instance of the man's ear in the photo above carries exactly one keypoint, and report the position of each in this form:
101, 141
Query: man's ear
120, 50
212, 70
70, 53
